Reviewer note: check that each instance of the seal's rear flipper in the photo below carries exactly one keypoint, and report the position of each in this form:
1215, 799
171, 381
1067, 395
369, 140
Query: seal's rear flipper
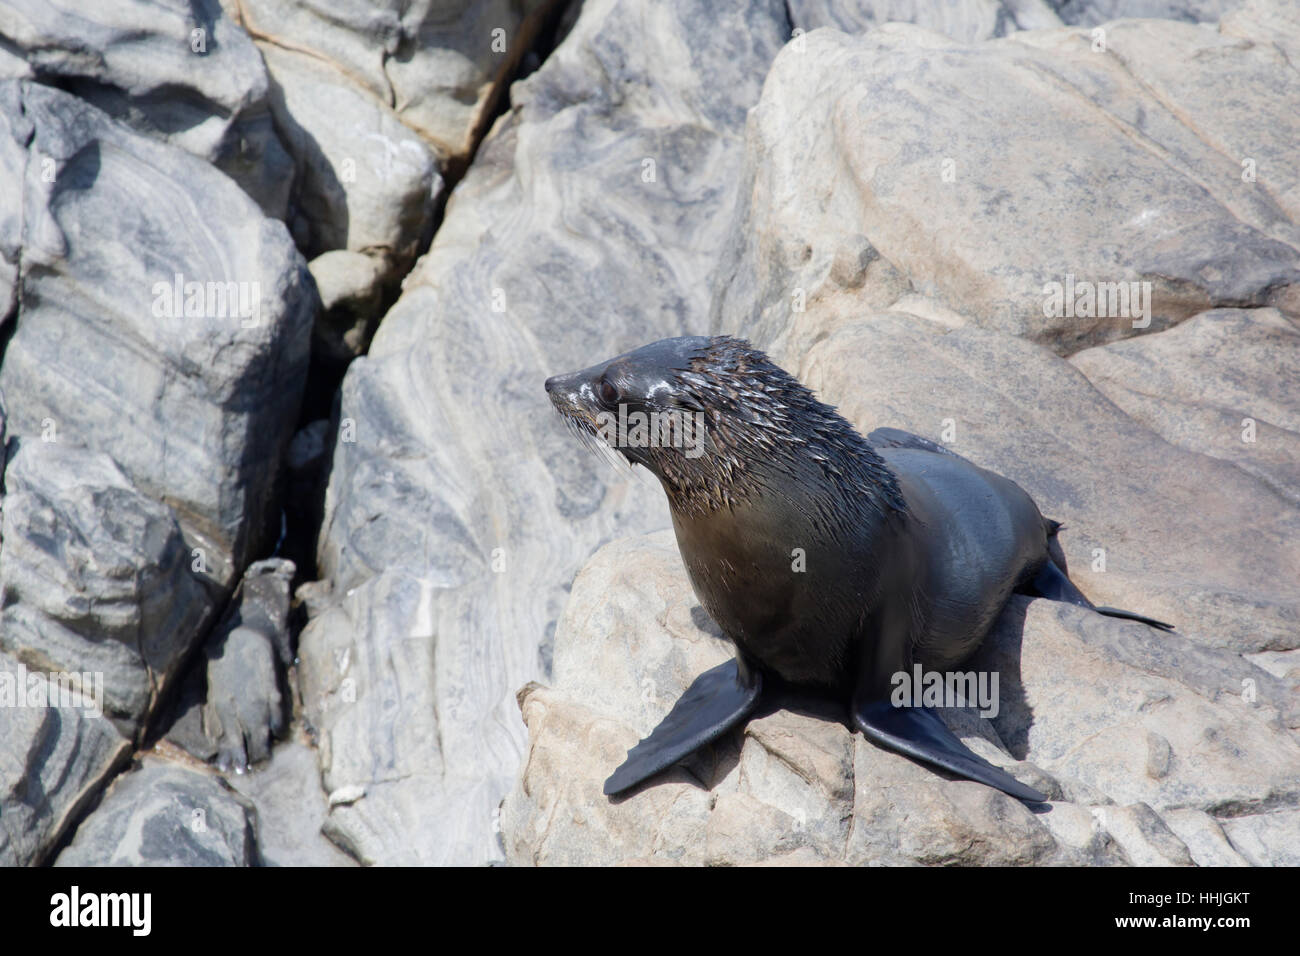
919, 733
1052, 583
716, 701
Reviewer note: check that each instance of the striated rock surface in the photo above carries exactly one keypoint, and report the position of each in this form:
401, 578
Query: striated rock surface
163, 319
95, 577
175, 70
457, 509
58, 751
880, 166
440, 65
1223, 384
166, 815
365, 182
965, 20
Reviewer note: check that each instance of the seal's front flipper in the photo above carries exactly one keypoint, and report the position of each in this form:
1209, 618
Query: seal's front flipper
1052, 583
919, 733
716, 701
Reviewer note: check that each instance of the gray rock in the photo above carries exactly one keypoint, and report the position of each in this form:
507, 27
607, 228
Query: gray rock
95, 577
166, 815
965, 20
440, 65
53, 762
1221, 384
351, 287
458, 506
234, 703
195, 408
176, 70
290, 809
1093, 12
881, 166
366, 182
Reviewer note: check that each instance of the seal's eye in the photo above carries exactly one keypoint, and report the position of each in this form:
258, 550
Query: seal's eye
608, 393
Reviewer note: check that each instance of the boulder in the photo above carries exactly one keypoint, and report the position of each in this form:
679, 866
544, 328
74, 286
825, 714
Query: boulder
290, 808
441, 65
162, 814
59, 751
365, 181
95, 577
176, 70
163, 319
1220, 384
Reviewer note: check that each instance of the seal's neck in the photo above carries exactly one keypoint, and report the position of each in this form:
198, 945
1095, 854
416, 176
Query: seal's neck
832, 471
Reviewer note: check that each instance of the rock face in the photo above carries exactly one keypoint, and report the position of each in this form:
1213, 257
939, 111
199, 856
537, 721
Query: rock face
164, 815
163, 319
378, 103
605, 191
175, 70
879, 166
95, 577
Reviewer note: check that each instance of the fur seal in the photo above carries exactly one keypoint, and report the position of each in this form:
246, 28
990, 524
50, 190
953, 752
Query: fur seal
911, 550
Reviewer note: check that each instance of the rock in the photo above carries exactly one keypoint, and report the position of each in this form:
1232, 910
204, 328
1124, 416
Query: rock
53, 762
365, 182
1093, 12
290, 809
440, 65
194, 408
1204, 838
879, 167
554, 250
166, 815
176, 70
1143, 836
351, 287
235, 703
1266, 839
964, 20
1218, 385
95, 577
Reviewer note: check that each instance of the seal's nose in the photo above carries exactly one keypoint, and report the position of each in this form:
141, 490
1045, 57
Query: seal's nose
552, 384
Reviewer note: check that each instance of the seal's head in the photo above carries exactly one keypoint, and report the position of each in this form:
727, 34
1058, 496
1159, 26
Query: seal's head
718, 423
